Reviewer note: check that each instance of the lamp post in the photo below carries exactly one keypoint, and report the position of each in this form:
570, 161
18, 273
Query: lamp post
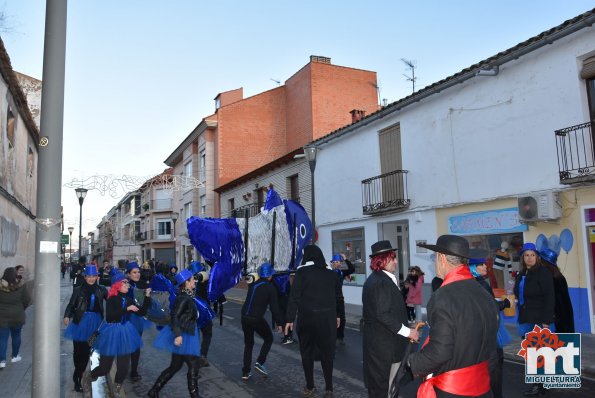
174, 218
70, 230
80, 194
310, 152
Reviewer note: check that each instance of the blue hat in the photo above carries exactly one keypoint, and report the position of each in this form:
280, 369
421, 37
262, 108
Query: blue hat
337, 257
131, 266
477, 261
528, 246
549, 255
183, 276
265, 270
90, 270
196, 267
117, 277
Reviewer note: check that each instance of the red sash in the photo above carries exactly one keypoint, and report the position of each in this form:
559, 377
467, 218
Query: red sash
471, 381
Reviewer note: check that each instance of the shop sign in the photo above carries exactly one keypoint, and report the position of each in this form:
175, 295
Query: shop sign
487, 222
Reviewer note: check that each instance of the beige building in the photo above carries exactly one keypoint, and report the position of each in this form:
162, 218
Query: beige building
19, 138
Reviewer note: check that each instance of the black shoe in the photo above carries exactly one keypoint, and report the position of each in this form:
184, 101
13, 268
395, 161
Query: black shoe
246, 375
77, 383
203, 362
134, 377
534, 391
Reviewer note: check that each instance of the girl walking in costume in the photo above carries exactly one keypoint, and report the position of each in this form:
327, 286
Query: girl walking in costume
181, 337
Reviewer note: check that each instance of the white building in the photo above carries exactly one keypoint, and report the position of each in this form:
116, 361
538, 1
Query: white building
456, 156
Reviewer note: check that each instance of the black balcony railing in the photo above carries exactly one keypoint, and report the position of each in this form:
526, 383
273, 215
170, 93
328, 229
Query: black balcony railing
386, 192
160, 235
576, 153
253, 209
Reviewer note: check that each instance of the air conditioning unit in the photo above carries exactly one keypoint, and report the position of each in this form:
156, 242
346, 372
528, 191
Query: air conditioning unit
540, 207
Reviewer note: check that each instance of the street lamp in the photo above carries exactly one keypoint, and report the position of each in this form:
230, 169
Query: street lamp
174, 218
80, 194
70, 230
310, 152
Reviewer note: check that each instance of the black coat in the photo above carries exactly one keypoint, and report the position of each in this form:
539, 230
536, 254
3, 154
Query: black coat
463, 320
539, 305
81, 299
116, 308
384, 313
563, 306
262, 294
315, 296
184, 315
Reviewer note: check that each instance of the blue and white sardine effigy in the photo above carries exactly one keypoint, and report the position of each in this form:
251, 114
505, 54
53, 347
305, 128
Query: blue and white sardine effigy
221, 241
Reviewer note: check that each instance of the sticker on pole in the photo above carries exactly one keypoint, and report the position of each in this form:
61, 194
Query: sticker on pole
46, 246
553, 359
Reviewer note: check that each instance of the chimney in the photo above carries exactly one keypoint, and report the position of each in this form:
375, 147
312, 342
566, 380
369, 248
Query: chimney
357, 115
320, 59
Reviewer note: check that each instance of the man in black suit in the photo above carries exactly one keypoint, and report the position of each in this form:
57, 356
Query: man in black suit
385, 321
463, 320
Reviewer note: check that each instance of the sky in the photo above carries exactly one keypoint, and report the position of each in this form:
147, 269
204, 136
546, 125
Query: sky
141, 74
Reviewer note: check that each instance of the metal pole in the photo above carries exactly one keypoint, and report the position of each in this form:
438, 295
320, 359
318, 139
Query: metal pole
80, 228
312, 168
70, 255
46, 329
273, 233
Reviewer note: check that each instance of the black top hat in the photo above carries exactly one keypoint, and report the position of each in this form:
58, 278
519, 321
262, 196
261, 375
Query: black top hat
450, 244
381, 247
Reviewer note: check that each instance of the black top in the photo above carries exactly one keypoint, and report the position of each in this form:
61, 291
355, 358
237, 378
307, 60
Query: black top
463, 320
539, 296
80, 301
116, 308
262, 294
185, 314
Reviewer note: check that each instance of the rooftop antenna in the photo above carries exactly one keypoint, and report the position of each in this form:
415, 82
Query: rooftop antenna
276, 81
411, 65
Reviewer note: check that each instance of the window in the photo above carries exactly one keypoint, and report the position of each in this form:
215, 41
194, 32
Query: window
351, 243
10, 127
230, 204
389, 140
203, 205
164, 227
203, 161
588, 73
188, 169
30, 162
293, 187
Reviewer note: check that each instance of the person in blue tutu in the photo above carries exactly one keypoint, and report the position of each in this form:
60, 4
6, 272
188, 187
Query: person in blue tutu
118, 337
201, 277
137, 285
82, 316
181, 337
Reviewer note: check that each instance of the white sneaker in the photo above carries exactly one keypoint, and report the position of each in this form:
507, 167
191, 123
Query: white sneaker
2, 364
16, 359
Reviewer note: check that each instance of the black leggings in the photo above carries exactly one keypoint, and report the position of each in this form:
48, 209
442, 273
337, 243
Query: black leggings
327, 371
80, 355
207, 334
105, 364
260, 326
177, 361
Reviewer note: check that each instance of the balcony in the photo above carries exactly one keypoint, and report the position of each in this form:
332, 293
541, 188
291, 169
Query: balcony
576, 153
385, 193
252, 208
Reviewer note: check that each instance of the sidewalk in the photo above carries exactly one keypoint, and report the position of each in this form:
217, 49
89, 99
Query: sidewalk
353, 314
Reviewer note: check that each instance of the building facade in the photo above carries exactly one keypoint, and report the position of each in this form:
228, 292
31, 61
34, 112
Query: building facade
501, 153
19, 137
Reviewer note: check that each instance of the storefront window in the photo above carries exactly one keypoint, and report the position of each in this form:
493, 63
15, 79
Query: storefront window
351, 243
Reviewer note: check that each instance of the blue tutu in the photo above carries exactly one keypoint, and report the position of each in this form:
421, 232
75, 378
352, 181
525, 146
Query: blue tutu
85, 328
190, 343
140, 323
117, 339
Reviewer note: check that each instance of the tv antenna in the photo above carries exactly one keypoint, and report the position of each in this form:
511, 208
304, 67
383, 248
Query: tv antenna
411, 78
276, 81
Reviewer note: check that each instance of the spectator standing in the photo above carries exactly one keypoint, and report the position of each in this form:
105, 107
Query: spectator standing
14, 298
414, 284
343, 268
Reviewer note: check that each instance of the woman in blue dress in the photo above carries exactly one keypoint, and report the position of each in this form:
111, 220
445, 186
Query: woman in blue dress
181, 337
82, 316
117, 336
139, 322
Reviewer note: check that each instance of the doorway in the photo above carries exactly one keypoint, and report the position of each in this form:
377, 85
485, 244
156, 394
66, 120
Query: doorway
397, 233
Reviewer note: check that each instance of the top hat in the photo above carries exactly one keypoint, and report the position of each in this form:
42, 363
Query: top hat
477, 261
90, 270
131, 266
117, 277
337, 257
265, 270
528, 246
196, 267
452, 245
381, 247
183, 276
549, 255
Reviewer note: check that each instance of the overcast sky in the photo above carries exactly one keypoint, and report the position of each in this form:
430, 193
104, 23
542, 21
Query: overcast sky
141, 74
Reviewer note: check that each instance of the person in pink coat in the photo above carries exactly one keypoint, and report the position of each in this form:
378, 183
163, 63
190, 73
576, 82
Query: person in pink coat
414, 283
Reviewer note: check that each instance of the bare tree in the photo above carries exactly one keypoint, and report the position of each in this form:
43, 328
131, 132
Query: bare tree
411, 78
